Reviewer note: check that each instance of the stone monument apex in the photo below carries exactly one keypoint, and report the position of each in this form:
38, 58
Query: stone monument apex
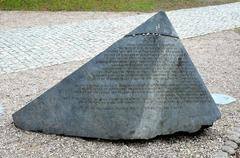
142, 86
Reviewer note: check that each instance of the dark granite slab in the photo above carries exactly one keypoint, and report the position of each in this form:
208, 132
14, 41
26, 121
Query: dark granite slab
140, 87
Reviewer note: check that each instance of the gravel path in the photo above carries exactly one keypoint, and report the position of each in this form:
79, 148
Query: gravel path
217, 59
29, 48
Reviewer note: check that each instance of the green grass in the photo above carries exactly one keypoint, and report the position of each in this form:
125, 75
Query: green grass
106, 5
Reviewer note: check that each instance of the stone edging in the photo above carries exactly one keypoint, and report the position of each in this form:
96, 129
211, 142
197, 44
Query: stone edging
231, 144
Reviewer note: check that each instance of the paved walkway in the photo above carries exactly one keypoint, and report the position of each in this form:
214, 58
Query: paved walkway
28, 48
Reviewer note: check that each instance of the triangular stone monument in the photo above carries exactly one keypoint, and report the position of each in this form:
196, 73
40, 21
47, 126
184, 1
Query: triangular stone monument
142, 86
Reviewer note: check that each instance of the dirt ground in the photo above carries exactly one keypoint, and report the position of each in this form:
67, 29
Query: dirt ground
216, 56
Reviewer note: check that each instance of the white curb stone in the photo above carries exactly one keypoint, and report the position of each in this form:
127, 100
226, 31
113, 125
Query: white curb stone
220, 154
231, 144
234, 139
228, 149
234, 133
237, 130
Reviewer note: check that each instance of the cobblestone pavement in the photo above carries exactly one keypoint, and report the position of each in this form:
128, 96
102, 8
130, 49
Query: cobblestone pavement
29, 48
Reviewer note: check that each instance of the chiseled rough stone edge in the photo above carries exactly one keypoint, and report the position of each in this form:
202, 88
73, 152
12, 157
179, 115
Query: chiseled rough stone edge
232, 138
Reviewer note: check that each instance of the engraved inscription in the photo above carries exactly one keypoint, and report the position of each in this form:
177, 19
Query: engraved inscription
156, 70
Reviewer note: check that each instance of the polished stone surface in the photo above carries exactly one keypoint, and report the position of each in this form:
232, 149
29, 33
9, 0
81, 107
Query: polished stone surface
142, 86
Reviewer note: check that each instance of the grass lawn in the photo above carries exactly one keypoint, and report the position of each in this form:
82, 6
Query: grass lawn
106, 5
